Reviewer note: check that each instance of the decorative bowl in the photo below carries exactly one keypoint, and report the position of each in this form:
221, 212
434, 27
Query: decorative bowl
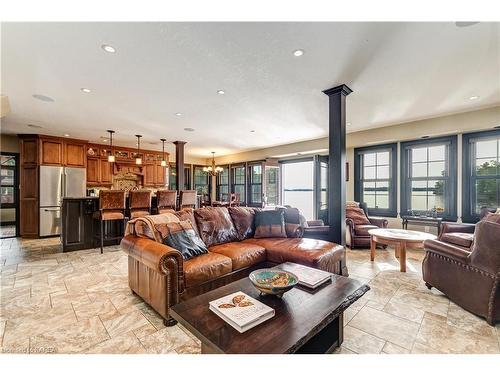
273, 281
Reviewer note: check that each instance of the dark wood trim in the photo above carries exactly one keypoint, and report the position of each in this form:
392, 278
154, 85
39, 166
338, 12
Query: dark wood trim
179, 165
336, 165
468, 215
393, 186
452, 179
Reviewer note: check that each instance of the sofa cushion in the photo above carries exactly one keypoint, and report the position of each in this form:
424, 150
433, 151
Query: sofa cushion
181, 236
362, 230
188, 214
293, 225
357, 215
206, 267
460, 239
309, 252
243, 220
215, 225
242, 254
270, 224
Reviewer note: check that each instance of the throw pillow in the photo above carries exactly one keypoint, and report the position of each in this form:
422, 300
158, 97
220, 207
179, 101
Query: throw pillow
243, 220
181, 236
269, 224
293, 227
352, 204
215, 225
357, 215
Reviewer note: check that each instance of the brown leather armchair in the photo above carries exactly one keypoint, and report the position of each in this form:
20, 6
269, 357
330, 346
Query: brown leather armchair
469, 277
359, 236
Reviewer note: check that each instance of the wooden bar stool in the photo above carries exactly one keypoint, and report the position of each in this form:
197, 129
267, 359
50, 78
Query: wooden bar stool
166, 201
187, 199
139, 203
111, 208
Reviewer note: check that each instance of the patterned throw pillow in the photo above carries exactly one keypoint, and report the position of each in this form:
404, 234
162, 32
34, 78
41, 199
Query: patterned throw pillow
357, 215
181, 236
270, 224
492, 217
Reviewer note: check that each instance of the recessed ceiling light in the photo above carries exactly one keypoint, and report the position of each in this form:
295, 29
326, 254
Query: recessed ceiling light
34, 126
85, 90
43, 98
108, 48
189, 129
252, 131
474, 97
298, 52
221, 92
178, 114
348, 124
66, 135
425, 136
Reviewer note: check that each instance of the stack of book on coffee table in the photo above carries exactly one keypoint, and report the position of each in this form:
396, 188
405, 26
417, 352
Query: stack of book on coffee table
241, 311
308, 277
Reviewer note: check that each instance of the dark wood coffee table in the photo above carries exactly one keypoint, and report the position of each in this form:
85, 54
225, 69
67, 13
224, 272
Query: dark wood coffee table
305, 321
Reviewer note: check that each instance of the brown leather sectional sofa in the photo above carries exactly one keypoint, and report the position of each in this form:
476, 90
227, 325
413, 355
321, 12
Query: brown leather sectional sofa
159, 275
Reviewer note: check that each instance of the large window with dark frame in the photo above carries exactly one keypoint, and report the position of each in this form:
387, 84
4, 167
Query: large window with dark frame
172, 185
272, 191
238, 182
223, 184
481, 173
201, 182
255, 184
375, 178
428, 177
297, 185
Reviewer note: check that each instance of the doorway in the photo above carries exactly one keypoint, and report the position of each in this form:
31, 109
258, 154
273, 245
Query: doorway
9, 194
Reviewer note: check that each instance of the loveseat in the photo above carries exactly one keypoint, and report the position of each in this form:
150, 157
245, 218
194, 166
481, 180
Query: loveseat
161, 277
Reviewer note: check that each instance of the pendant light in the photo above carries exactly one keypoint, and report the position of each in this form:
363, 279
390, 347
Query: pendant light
111, 156
138, 159
163, 161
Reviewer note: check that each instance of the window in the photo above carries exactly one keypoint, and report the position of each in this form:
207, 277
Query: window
223, 184
481, 173
298, 186
375, 182
272, 185
255, 185
201, 182
172, 185
428, 177
238, 181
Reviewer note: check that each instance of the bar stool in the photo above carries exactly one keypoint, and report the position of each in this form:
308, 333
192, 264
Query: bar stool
187, 199
166, 201
111, 208
139, 203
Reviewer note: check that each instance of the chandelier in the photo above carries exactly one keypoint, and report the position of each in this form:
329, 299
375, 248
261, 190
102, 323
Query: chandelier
213, 169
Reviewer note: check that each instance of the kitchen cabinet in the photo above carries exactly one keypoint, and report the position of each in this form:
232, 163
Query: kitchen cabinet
160, 175
51, 151
75, 154
106, 172
93, 173
149, 174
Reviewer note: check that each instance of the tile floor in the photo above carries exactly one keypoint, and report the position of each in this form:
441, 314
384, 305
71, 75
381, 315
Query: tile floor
79, 302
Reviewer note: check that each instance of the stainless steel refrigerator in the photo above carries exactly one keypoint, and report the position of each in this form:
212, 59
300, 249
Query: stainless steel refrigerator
55, 184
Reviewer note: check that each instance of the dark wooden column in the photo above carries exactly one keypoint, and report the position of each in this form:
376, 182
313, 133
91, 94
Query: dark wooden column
179, 164
337, 165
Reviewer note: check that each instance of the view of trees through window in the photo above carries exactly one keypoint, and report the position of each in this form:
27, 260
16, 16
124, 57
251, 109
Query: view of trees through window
486, 173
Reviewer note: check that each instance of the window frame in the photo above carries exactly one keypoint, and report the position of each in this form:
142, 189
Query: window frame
219, 184
232, 184
314, 182
207, 177
468, 178
251, 183
405, 188
392, 211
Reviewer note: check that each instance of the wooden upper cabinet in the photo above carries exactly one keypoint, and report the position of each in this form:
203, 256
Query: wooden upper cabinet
75, 154
160, 175
51, 151
149, 174
29, 151
93, 173
106, 172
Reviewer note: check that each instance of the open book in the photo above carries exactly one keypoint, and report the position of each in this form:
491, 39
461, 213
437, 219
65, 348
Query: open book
309, 277
241, 311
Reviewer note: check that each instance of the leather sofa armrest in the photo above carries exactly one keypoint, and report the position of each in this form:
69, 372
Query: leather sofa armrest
315, 223
379, 222
155, 255
456, 228
447, 250
317, 229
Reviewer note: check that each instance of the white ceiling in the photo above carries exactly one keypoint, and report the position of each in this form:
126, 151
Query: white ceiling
398, 71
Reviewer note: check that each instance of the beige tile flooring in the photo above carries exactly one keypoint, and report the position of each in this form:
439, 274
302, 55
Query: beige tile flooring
79, 302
